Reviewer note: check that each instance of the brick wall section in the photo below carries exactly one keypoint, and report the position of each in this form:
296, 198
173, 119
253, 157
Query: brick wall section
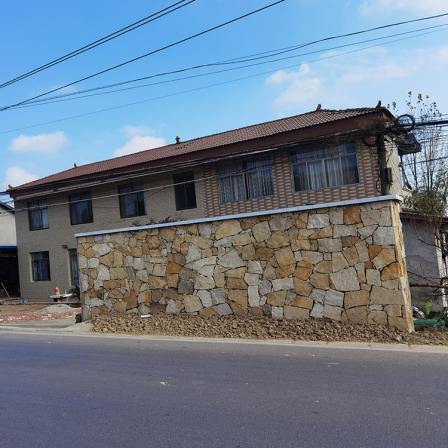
342, 263
284, 193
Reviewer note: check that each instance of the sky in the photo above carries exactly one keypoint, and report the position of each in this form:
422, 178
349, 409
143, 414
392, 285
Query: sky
39, 140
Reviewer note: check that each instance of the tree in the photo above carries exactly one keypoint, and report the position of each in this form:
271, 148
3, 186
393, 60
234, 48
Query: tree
425, 173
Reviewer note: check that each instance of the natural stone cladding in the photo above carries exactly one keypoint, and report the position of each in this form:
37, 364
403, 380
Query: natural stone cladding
341, 263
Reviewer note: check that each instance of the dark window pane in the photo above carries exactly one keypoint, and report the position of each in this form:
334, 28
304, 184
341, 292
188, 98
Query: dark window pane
259, 178
333, 172
81, 208
300, 177
248, 180
329, 167
350, 169
38, 215
40, 266
132, 200
74, 271
184, 190
316, 176
232, 188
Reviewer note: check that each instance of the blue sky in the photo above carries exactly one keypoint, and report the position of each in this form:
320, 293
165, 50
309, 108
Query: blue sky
36, 32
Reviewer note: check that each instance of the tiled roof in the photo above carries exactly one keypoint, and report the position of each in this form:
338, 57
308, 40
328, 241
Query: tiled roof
269, 128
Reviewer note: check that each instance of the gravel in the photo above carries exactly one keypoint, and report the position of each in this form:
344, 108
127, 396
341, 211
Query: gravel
262, 328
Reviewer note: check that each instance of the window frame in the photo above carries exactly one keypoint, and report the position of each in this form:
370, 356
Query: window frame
181, 192
136, 189
74, 202
35, 276
329, 155
242, 169
40, 207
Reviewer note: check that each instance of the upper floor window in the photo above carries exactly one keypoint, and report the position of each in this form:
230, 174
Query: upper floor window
184, 191
132, 200
246, 180
38, 215
40, 266
329, 167
81, 208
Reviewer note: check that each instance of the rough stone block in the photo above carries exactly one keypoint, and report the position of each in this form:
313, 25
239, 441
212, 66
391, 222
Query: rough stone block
318, 221
282, 284
277, 312
345, 280
357, 314
223, 309
383, 296
295, 313
192, 303
332, 312
302, 302
317, 311
284, 256
239, 296
356, 298
261, 231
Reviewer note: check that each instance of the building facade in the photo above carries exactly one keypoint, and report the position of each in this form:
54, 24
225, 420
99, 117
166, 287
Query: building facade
320, 159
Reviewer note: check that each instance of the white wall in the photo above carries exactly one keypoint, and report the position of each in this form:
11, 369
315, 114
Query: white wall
7, 228
423, 260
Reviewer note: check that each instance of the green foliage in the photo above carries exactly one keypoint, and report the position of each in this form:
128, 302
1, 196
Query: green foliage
427, 202
427, 308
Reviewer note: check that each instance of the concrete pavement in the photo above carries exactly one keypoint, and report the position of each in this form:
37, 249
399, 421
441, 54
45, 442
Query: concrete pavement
61, 391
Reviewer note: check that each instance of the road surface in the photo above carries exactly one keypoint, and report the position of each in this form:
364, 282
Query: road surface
73, 391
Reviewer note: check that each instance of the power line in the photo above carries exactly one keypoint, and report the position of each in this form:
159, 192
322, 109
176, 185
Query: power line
183, 92
265, 54
76, 95
131, 27
150, 53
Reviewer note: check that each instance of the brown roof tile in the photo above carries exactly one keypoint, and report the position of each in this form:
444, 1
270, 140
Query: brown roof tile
306, 120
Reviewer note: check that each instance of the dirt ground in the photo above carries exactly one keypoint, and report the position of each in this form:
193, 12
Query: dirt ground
262, 328
21, 308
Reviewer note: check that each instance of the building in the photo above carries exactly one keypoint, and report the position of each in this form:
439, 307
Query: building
425, 241
9, 272
312, 179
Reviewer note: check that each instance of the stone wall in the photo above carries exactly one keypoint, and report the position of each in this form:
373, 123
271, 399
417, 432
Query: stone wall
342, 263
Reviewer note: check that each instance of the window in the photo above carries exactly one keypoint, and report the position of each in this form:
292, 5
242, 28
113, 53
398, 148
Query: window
329, 167
40, 266
74, 271
132, 200
38, 215
246, 180
184, 190
81, 208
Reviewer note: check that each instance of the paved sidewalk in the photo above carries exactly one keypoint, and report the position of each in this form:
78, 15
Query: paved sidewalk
67, 328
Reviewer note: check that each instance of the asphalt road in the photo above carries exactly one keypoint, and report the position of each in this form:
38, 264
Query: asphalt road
96, 392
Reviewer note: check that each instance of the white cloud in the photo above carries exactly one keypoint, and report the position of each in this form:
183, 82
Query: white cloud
409, 6
140, 139
15, 175
136, 131
300, 86
361, 79
41, 143
386, 70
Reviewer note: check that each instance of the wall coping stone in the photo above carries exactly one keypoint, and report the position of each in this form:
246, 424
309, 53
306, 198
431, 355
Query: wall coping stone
300, 208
